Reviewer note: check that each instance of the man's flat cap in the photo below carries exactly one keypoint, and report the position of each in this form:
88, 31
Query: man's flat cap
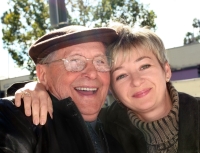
68, 36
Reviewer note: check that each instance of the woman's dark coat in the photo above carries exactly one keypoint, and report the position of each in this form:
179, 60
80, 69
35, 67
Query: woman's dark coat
117, 123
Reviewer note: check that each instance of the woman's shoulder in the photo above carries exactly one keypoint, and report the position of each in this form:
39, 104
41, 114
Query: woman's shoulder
188, 101
114, 114
184, 97
113, 109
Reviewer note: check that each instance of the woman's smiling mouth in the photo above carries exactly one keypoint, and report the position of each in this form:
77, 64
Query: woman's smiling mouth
142, 93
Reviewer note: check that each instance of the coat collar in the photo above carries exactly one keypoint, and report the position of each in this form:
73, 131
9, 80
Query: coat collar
66, 107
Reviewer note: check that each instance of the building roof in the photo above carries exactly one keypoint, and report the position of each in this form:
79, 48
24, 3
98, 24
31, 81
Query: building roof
184, 56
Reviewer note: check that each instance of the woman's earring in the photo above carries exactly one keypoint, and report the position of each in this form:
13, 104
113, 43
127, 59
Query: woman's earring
167, 79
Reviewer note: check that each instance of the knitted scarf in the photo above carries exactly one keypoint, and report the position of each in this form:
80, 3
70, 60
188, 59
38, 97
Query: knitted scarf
161, 135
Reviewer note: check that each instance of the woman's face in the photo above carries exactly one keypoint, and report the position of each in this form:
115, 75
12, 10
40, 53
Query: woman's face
139, 81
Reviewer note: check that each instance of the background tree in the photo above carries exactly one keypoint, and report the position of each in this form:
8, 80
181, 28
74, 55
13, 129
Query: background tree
23, 23
192, 37
27, 20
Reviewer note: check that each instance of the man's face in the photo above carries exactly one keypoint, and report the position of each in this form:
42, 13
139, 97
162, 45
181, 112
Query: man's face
88, 88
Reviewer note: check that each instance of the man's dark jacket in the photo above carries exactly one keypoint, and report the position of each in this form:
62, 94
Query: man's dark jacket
66, 133
117, 123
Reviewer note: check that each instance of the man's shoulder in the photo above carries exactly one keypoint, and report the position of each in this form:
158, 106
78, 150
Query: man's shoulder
15, 128
6, 103
10, 113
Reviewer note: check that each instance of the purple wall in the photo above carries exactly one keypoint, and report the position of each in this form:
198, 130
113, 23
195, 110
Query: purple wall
184, 74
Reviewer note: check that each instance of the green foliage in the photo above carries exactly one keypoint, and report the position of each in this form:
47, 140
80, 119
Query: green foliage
101, 12
193, 37
24, 22
27, 20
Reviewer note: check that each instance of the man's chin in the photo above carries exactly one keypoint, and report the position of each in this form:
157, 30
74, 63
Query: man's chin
90, 116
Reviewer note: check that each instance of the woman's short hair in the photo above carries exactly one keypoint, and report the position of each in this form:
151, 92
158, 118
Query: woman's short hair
142, 38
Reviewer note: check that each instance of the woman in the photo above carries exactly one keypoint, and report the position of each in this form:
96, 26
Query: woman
149, 115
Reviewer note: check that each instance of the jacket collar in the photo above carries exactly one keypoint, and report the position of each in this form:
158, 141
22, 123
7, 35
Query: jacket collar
66, 107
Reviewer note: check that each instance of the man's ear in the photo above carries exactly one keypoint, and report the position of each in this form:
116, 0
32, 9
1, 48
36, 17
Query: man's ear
168, 72
42, 74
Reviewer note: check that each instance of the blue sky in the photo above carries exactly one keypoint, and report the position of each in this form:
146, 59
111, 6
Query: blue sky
174, 20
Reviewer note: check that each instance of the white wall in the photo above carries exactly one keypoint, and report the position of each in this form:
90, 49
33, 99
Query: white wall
4, 84
184, 57
190, 86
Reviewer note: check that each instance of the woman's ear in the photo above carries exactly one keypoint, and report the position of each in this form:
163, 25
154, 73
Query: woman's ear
41, 74
168, 72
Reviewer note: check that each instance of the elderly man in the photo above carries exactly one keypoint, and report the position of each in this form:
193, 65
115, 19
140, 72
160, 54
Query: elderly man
72, 65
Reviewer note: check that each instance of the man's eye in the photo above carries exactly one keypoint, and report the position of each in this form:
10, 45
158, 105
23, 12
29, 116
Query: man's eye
121, 76
101, 61
145, 66
76, 60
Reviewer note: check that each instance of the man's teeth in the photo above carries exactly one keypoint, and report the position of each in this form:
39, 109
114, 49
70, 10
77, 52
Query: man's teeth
86, 89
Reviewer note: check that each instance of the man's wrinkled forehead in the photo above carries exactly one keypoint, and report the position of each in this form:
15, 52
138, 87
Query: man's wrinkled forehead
69, 36
99, 48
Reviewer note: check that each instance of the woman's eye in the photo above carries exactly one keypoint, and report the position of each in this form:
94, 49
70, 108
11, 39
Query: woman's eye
145, 66
121, 77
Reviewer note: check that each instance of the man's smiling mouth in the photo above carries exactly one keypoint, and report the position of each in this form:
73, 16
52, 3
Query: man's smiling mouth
84, 89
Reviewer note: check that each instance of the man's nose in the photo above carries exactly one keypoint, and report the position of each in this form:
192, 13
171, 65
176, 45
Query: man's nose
90, 70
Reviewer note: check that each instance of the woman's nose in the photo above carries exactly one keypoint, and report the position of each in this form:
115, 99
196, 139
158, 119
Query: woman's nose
136, 79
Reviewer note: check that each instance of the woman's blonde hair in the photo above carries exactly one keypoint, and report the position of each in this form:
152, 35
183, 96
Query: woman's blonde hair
130, 40
142, 38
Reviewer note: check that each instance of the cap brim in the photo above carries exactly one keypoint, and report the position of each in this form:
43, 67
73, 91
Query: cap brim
56, 42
